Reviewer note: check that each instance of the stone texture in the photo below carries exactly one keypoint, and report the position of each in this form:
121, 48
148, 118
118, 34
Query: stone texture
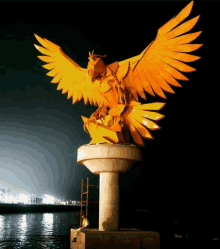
109, 201
94, 239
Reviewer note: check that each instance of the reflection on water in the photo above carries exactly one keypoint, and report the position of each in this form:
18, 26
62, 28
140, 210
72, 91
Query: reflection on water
23, 221
47, 224
38, 230
47, 229
2, 217
48, 219
22, 226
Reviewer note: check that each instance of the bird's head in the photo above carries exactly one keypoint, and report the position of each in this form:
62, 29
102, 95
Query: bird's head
96, 66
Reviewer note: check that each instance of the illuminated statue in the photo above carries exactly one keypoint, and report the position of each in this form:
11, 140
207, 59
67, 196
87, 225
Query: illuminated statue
115, 87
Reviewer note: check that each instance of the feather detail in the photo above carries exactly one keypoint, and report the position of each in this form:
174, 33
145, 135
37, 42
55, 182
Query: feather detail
69, 76
162, 62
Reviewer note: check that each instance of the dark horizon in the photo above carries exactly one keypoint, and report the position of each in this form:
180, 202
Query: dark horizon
40, 130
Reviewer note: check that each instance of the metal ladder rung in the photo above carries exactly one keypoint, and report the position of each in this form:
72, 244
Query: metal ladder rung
90, 201
86, 193
92, 185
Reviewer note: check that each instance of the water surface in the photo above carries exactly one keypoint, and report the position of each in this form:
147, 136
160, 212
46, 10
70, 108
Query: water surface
52, 230
37, 230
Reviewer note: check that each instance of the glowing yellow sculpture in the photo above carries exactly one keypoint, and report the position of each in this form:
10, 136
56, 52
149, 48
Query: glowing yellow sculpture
115, 87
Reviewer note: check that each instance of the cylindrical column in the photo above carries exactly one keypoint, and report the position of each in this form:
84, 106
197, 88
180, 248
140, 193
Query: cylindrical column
106, 160
109, 201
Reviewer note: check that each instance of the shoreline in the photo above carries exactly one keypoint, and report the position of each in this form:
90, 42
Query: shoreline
8, 208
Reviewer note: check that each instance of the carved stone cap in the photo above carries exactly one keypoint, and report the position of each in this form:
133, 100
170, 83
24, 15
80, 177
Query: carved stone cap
108, 157
123, 151
110, 145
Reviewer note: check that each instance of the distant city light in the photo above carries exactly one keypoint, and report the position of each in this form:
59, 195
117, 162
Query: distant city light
178, 236
48, 199
14, 197
23, 198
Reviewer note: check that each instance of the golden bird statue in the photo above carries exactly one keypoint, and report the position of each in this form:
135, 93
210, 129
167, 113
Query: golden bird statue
115, 87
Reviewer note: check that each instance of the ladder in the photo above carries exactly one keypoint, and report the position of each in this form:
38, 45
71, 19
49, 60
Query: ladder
87, 198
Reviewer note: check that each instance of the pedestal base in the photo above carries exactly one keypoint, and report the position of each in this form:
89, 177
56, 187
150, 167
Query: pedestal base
129, 239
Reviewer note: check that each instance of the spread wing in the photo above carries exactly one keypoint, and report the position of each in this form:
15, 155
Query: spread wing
71, 78
159, 65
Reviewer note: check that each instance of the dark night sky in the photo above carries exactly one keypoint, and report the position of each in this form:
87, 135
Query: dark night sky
40, 130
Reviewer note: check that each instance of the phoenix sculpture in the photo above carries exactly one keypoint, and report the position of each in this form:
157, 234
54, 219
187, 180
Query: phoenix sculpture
115, 88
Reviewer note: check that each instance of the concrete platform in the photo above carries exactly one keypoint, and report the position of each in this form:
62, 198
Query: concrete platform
127, 238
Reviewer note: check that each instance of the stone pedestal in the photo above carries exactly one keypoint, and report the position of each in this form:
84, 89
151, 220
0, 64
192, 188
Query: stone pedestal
108, 161
127, 239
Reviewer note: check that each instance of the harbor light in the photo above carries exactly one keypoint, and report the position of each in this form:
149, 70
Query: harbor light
47, 199
23, 198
